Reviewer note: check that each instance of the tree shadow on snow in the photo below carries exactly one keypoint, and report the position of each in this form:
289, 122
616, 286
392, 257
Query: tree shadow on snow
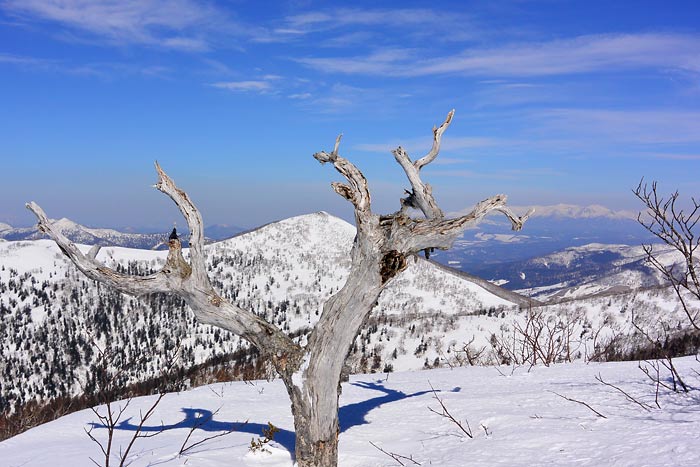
350, 415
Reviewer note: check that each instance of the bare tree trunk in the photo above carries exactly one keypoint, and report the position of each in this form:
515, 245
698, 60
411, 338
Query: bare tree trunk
316, 444
381, 250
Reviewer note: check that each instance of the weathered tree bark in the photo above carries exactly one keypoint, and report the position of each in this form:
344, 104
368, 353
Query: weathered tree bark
382, 247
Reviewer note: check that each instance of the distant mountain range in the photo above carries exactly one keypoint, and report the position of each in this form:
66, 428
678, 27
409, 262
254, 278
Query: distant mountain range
574, 211
110, 237
589, 270
550, 229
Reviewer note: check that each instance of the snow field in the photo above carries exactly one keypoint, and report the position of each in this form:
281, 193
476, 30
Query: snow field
516, 420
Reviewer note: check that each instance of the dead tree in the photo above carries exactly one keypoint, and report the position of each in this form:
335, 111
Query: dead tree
382, 248
678, 228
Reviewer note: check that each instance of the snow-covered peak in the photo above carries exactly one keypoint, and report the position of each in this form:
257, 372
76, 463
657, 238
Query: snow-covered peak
581, 212
316, 232
4, 226
568, 211
65, 223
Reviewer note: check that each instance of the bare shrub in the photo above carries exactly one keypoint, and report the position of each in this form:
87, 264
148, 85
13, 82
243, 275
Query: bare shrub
677, 227
543, 338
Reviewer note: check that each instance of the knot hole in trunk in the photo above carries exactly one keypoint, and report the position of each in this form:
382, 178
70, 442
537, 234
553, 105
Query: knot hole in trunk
393, 262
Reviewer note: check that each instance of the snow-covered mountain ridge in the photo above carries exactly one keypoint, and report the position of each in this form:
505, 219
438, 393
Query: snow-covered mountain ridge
86, 235
109, 237
585, 270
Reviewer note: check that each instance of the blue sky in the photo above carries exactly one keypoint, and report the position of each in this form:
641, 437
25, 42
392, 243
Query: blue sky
556, 101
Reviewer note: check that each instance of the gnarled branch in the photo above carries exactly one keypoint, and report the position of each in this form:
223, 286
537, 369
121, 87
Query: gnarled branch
441, 233
437, 138
194, 222
421, 194
357, 191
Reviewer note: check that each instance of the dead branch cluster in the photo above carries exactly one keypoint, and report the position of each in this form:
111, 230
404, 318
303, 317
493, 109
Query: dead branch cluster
543, 338
110, 413
676, 226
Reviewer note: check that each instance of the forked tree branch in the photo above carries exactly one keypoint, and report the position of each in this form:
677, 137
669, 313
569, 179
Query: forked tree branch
357, 190
194, 222
421, 194
436, 231
441, 233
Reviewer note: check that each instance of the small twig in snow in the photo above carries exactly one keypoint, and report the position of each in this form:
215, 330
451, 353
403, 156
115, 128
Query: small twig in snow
201, 423
486, 430
580, 402
396, 457
630, 398
446, 414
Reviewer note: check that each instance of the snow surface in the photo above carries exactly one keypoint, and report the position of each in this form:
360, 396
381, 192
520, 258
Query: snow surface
515, 416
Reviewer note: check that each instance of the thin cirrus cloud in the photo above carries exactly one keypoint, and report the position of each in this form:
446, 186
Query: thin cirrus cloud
356, 17
590, 53
410, 21
175, 24
28, 62
673, 156
98, 69
424, 144
258, 86
638, 126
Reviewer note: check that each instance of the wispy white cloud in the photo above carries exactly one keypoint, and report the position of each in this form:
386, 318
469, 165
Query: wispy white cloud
175, 24
104, 70
259, 86
583, 54
449, 161
301, 96
379, 62
501, 174
372, 17
671, 156
633, 126
424, 144
192, 44
411, 22
27, 62
334, 98
455, 173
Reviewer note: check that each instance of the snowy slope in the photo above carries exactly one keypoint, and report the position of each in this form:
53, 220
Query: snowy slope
516, 420
584, 270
